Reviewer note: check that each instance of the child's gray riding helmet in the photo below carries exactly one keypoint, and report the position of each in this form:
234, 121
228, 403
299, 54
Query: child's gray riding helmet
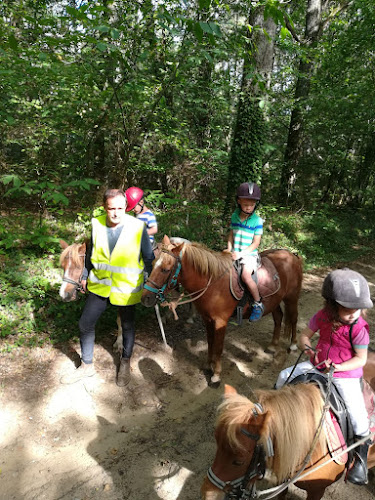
348, 288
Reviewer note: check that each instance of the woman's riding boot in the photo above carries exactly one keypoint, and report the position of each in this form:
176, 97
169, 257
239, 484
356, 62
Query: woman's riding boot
358, 473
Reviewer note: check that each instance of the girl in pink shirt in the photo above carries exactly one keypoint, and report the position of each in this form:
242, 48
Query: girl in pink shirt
343, 343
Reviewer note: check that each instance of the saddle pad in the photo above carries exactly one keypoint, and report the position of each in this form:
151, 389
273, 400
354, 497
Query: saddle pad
369, 396
235, 286
335, 439
267, 279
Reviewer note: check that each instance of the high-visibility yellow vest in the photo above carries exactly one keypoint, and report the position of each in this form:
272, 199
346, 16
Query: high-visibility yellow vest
118, 275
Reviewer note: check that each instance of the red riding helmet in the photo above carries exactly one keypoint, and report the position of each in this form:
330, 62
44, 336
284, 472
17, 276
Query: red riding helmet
249, 190
134, 196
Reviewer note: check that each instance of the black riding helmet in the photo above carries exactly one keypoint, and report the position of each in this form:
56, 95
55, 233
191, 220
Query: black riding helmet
348, 288
249, 190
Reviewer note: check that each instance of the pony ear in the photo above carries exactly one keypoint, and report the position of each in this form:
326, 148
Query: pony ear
166, 240
82, 248
228, 389
63, 244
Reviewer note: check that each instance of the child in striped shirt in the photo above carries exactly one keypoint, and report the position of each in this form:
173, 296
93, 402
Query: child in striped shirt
246, 231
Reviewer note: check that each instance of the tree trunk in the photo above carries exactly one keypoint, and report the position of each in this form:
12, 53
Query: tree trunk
250, 127
295, 144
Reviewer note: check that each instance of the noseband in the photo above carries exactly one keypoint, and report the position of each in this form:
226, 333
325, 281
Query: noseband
240, 488
170, 282
77, 284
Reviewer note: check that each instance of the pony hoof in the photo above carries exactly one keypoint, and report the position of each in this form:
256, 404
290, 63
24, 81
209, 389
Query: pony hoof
214, 385
215, 381
292, 348
190, 321
270, 349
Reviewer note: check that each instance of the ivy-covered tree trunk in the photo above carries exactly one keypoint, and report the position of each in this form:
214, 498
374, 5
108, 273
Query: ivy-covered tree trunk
246, 158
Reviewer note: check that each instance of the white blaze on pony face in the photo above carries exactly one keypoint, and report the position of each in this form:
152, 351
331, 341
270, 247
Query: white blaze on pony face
66, 288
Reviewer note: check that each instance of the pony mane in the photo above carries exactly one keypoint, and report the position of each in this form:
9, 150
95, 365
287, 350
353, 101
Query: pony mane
207, 262
295, 413
72, 252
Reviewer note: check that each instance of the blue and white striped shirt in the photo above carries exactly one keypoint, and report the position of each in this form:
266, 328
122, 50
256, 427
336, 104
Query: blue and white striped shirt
149, 219
245, 230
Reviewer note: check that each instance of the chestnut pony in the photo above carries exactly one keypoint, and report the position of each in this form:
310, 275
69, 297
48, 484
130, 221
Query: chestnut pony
283, 422
72, 260
204, 274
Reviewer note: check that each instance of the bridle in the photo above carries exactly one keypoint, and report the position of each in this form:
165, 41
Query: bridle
171, 281
242, 488
77, 284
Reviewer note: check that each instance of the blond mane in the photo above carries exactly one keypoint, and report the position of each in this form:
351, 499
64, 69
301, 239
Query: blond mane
73, 253
295, 414
207, 262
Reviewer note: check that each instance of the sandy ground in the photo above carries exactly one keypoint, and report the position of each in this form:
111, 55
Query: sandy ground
153, 440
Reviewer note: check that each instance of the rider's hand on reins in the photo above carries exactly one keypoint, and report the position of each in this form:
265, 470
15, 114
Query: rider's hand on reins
236, 255
310, 351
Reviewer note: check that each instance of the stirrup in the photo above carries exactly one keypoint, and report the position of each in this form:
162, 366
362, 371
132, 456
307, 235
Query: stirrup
239, 315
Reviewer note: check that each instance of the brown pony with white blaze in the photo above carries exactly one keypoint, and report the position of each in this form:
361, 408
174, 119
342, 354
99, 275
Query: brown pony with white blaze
205, 275
288, 418
72, 260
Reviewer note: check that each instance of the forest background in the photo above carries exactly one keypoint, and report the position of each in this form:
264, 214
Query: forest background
186, 99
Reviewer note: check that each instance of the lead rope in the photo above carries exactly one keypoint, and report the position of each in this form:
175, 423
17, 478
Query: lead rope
180, 302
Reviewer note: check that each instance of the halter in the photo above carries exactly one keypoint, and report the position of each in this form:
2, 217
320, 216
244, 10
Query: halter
240, 488
171, 281
77, 284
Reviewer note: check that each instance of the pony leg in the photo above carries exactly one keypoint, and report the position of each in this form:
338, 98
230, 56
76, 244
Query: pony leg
277, 315
192, 314
291, 317
215, 339
118, 345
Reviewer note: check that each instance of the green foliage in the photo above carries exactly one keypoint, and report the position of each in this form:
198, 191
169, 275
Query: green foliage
31, 312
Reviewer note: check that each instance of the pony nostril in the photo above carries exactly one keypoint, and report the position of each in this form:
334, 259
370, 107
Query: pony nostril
148, 301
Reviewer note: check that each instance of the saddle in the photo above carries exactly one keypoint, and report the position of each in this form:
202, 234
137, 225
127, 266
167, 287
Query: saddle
336, 403
266, 277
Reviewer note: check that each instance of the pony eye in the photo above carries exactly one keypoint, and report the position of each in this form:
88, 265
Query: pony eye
164, 270
237, 462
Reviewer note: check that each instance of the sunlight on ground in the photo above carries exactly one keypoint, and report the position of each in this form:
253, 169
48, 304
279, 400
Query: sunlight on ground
170, 487
8, 421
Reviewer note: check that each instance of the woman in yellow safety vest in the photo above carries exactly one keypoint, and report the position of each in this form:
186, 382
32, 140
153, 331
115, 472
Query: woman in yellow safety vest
119, 253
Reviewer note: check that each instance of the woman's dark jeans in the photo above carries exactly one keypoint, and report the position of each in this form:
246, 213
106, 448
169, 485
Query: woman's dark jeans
94, 308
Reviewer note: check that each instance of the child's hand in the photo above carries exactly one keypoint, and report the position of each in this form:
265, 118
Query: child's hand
328, 364
310, 351
236, 255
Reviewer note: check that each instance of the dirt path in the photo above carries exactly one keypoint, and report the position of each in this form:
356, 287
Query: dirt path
153, 440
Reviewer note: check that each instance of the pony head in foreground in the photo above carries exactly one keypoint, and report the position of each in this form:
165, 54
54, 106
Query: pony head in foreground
72, 260
275, 434
205, 276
